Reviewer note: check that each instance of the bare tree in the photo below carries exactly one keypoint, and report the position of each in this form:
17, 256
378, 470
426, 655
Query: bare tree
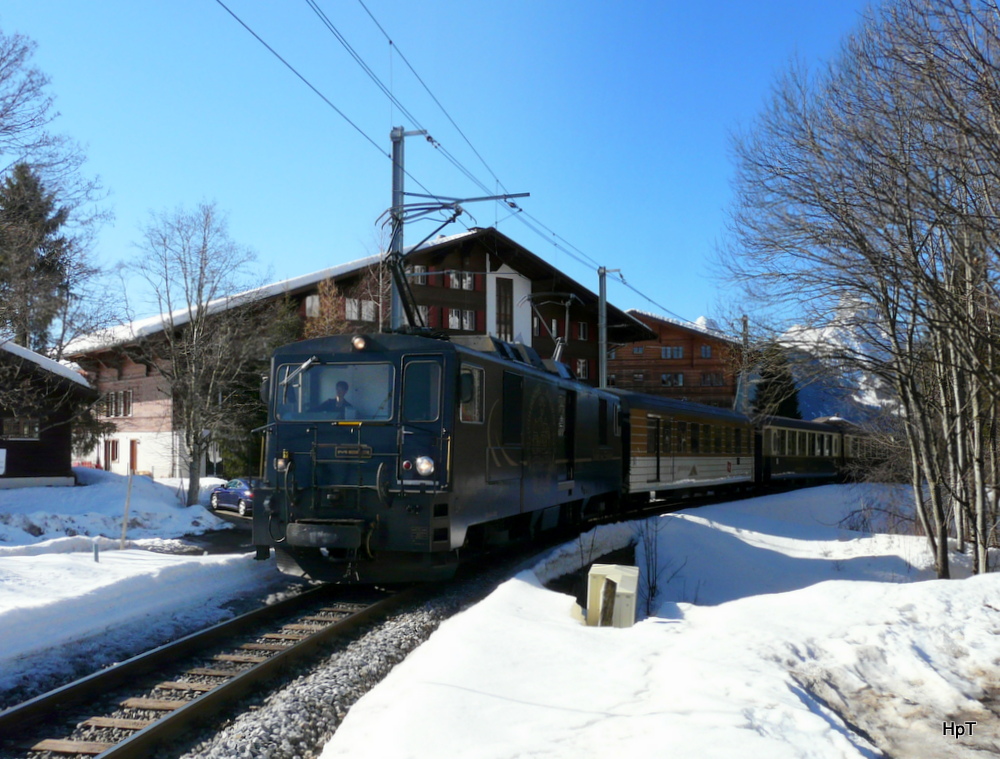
345, 306
217, 332
877, 179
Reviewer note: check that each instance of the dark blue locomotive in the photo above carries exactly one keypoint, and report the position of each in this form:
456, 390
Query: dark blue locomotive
390, 457
436, 448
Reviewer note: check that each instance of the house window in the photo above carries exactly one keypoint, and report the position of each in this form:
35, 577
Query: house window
637, 377
554, 327
536, 326
312, 306
469, 320
674, 379
672, 351
419, 274
582, 371
581, 331
505, 308
637, 350
612, 355
118, 403
468, 280
454, 319
455, 280
20, 428
706, 351
352, 309
711, 379
425, 314
611, 380
368, 310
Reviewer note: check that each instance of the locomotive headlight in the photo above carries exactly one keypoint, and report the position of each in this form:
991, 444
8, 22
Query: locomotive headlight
425, 465
359, 343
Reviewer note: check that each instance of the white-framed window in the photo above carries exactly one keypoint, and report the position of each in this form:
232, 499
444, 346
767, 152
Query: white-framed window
672, 379
554, 327
469, 320
637, 350
454, 318
706, 351
312, 306
455, 280
369, 310
418, 274
582, 330
672, 351
637, 377
425, 314
352, 309
468, 280
536, 327
118, 403
582, 370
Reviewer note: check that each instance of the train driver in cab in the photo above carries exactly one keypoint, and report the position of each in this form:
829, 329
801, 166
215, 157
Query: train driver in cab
339, 405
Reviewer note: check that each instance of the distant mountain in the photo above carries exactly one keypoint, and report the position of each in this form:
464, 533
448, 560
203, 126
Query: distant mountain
825, 363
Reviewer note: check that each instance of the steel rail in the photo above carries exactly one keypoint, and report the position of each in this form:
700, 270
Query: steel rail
139, 745
22, 718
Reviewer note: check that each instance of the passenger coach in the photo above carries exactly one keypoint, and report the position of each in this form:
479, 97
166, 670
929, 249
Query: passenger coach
673, 446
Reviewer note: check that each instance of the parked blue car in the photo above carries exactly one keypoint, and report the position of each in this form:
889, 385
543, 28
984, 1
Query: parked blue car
236, 494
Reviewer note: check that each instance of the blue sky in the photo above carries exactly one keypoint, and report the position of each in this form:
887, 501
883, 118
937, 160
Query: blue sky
615, 116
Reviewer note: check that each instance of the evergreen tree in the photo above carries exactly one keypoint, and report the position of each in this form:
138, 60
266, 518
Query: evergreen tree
34, 256
776, 394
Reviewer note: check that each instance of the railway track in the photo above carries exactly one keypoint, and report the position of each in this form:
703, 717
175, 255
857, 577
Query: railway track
139, 705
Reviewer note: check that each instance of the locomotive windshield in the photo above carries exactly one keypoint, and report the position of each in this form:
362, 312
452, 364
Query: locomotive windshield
361, 391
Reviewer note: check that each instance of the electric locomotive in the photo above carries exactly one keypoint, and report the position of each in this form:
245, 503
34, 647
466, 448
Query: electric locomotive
390, 456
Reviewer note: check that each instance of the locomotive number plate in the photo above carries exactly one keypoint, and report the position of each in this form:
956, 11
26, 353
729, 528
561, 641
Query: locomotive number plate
353, 452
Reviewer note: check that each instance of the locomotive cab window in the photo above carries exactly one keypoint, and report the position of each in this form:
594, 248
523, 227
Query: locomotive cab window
471, 394
317, 392
421, 391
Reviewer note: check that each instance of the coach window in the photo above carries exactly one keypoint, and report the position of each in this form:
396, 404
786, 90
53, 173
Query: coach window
471, 395
668, 427
682, 431
695, 438
421, 391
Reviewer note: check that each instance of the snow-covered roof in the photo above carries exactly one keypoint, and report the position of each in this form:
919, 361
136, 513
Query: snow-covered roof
126, 333
703, 324
45, 363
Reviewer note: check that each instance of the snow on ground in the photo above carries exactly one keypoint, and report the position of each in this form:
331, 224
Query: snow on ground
774, 633
53, 592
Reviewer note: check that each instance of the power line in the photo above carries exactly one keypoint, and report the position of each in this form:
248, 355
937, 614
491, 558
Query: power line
323, 97
553, 238
305, 81
433, 96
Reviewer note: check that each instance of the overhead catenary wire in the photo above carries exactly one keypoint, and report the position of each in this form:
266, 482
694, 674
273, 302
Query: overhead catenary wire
530, 222
317, 92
